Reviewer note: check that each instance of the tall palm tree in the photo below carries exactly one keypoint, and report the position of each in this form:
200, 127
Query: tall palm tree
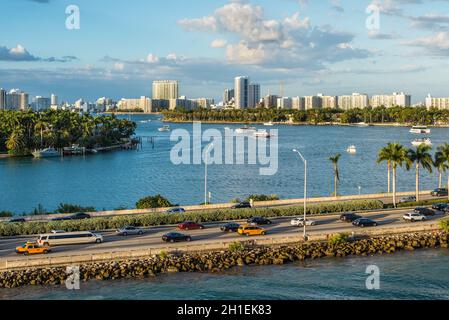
385, 156
334, 161
396, 154
441, 164
443, 151
421, 157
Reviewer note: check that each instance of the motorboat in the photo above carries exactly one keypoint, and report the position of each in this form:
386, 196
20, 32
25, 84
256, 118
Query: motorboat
246, 130
420, 130
262, 134
425, 141
74, 150
164, 129
351, 150
362, 124
46, 153
268, 124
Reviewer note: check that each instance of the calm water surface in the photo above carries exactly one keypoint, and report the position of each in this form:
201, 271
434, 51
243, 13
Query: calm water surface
418, 275
116, 179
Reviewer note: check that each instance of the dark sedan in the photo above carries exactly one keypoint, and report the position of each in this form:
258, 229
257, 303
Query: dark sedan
76, 216
242, 205
364, 222
349, 217
440, 206
176, 237
230, 227
425, 212
259, 221
439, 192
17, 220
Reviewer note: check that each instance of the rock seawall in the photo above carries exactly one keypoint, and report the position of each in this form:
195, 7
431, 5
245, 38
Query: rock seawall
220, 261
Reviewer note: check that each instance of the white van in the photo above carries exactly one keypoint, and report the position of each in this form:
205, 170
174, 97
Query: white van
69, 238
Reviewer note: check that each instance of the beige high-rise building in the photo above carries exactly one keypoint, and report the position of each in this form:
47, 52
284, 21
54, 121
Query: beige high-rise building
144, 104
165, 89
354, 101
298, 103
396, 99
313, 102
328, 102
439, 103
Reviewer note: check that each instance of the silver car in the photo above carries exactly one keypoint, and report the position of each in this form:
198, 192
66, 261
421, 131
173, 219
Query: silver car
129, 230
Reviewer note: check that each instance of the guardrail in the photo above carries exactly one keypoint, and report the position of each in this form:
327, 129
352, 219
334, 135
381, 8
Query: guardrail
96, 257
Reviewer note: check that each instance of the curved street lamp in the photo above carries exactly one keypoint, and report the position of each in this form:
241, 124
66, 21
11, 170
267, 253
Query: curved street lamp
305, 191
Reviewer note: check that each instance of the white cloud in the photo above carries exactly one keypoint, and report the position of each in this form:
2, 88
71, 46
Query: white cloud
151, 58
438, 44
241, 53
219, 43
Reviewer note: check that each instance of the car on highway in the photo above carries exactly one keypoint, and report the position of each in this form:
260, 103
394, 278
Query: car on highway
32, 248
68, 238
425, 211
440, 206
242, 205
299, 222
175, 210
76, 216
364, 222
349, 217
259, 221
407, 199
58, 231
129, 230
230, 227
439, 192
17, 220
251, 230
190, 225
414, 216
176, 237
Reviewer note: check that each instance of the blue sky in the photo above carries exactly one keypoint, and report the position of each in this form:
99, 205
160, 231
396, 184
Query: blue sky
314, 46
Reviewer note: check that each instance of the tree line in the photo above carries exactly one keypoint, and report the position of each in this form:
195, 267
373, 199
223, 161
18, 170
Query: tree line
22, 132
403, 115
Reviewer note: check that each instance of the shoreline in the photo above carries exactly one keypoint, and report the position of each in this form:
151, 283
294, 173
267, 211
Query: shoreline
298, 124
218, 261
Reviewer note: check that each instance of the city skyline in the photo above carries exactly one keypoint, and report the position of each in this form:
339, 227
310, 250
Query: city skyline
313, 47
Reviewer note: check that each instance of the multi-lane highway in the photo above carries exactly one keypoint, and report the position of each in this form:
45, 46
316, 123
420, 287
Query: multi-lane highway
328, 224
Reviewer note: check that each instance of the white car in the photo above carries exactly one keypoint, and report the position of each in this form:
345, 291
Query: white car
413, 216
299, 222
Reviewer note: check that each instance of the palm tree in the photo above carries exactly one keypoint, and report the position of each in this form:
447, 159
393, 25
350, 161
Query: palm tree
334, 161
396, 154
385, 155
441, 164
443, 152
421, 158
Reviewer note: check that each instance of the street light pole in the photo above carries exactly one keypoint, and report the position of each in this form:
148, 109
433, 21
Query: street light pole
205, 172
305, 191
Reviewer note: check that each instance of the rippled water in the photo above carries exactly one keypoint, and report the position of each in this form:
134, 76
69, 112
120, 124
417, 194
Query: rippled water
120, 178
417, 275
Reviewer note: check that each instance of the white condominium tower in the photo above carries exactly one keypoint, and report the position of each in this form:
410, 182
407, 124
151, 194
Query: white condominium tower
439, 103
241, 94
165, 89
253, 95
396, 99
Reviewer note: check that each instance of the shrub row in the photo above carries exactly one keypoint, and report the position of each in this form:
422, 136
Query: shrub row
417, 204
158, 219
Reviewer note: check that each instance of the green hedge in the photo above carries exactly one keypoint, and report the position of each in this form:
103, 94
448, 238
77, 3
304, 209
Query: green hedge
444, 225
158, 219
417, 204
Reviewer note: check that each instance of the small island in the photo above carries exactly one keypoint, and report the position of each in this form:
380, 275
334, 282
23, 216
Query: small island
22, 133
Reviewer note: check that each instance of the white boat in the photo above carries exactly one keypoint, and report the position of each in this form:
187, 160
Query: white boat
164, 129
351, 150
362, 124
262, 134
246, 130
418, 142
268, 124
420, 130
46, 153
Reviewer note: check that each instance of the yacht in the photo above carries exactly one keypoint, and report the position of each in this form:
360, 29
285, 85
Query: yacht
420, 130
351, 150
362, 124
262, 134
268, 124
246, 130
164, 129
46, 153
418, 142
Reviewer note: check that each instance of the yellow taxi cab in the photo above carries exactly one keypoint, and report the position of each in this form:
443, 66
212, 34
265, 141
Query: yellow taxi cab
251, 230
32, 248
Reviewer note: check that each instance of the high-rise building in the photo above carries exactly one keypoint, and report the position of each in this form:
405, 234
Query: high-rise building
328, 102
284, 103
354, 101
313, 102
270, 101
16, 99
298, 103
40, 103
396, 99
143, 103
54, 100
2, 99
439, 103
24, 101
228, 95
253, 95
241, 88
165, 89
